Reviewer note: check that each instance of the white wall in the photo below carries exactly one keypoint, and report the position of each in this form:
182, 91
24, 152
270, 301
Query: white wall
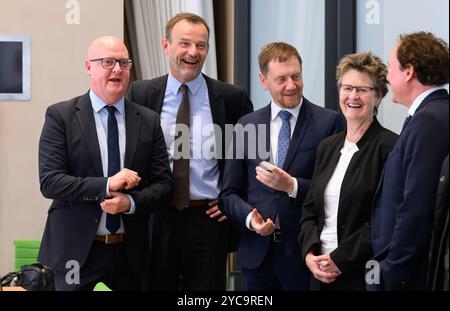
58, 51
300, 23
379, 30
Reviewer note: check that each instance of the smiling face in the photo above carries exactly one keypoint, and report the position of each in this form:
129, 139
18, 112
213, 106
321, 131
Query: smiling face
110, 85
284, 81
186, 49
398, 78
358, 107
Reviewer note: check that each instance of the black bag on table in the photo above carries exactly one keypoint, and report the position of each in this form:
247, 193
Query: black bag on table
34, 277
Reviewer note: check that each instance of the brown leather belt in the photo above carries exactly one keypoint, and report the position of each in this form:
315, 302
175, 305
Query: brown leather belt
110, 238
197, 203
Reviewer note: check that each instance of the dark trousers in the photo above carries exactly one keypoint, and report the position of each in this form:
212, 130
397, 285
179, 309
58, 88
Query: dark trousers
189, 251
106, 263
277, 272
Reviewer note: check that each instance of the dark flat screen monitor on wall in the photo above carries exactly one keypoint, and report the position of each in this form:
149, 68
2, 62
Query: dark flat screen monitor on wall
14, 68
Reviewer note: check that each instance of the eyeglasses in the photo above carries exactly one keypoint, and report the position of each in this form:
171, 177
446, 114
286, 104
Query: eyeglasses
109, 63
360, 90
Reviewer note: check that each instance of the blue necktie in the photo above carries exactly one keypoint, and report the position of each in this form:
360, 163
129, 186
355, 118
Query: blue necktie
113, 221
284, 136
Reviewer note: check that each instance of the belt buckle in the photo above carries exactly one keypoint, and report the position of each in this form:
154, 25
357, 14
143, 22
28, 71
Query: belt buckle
107, 239
277, 236
119, 236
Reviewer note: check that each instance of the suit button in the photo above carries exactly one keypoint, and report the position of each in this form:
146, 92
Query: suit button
277, 196
96, 220
343, 226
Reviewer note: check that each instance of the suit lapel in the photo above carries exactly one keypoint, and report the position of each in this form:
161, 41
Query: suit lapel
156, 94
217, 106
264, 118
132, 126
86, 122
335, 155
303, 119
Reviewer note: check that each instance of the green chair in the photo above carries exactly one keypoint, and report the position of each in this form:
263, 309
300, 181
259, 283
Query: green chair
233, 273
101, 287
25, 252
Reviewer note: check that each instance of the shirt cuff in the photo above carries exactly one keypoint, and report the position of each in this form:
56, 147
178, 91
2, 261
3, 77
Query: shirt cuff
295, 190
132, 206
247, 221
107, 194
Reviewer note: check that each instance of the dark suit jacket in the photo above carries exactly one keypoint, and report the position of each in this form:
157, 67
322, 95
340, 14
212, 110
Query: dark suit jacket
403, 209
438, 271
355, 202
71, 174
242, 192
228, 103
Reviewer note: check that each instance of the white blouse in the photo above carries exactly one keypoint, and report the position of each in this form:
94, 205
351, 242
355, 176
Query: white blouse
328, 236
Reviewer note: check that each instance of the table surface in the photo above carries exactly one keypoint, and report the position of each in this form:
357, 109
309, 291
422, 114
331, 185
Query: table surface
13, 289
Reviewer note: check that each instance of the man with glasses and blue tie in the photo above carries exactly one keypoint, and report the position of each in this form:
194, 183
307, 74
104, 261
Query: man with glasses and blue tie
103, 162
263, 199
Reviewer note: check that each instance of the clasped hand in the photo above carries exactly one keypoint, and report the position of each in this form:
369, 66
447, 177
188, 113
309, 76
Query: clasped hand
125, 179
322, 267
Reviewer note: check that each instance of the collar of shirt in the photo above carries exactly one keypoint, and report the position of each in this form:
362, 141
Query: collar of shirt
174, 85
419, 99
275, 109
98, 104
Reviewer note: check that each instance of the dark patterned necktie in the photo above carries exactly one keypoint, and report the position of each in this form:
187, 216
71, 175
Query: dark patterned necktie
180, 196
113, 221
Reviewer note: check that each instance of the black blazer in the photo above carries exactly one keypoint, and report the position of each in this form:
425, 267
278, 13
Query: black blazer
228, 103
70, 172
355, 201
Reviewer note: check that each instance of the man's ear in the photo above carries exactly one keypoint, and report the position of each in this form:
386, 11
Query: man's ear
410, 73
263, 80
165, 45
87, 66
